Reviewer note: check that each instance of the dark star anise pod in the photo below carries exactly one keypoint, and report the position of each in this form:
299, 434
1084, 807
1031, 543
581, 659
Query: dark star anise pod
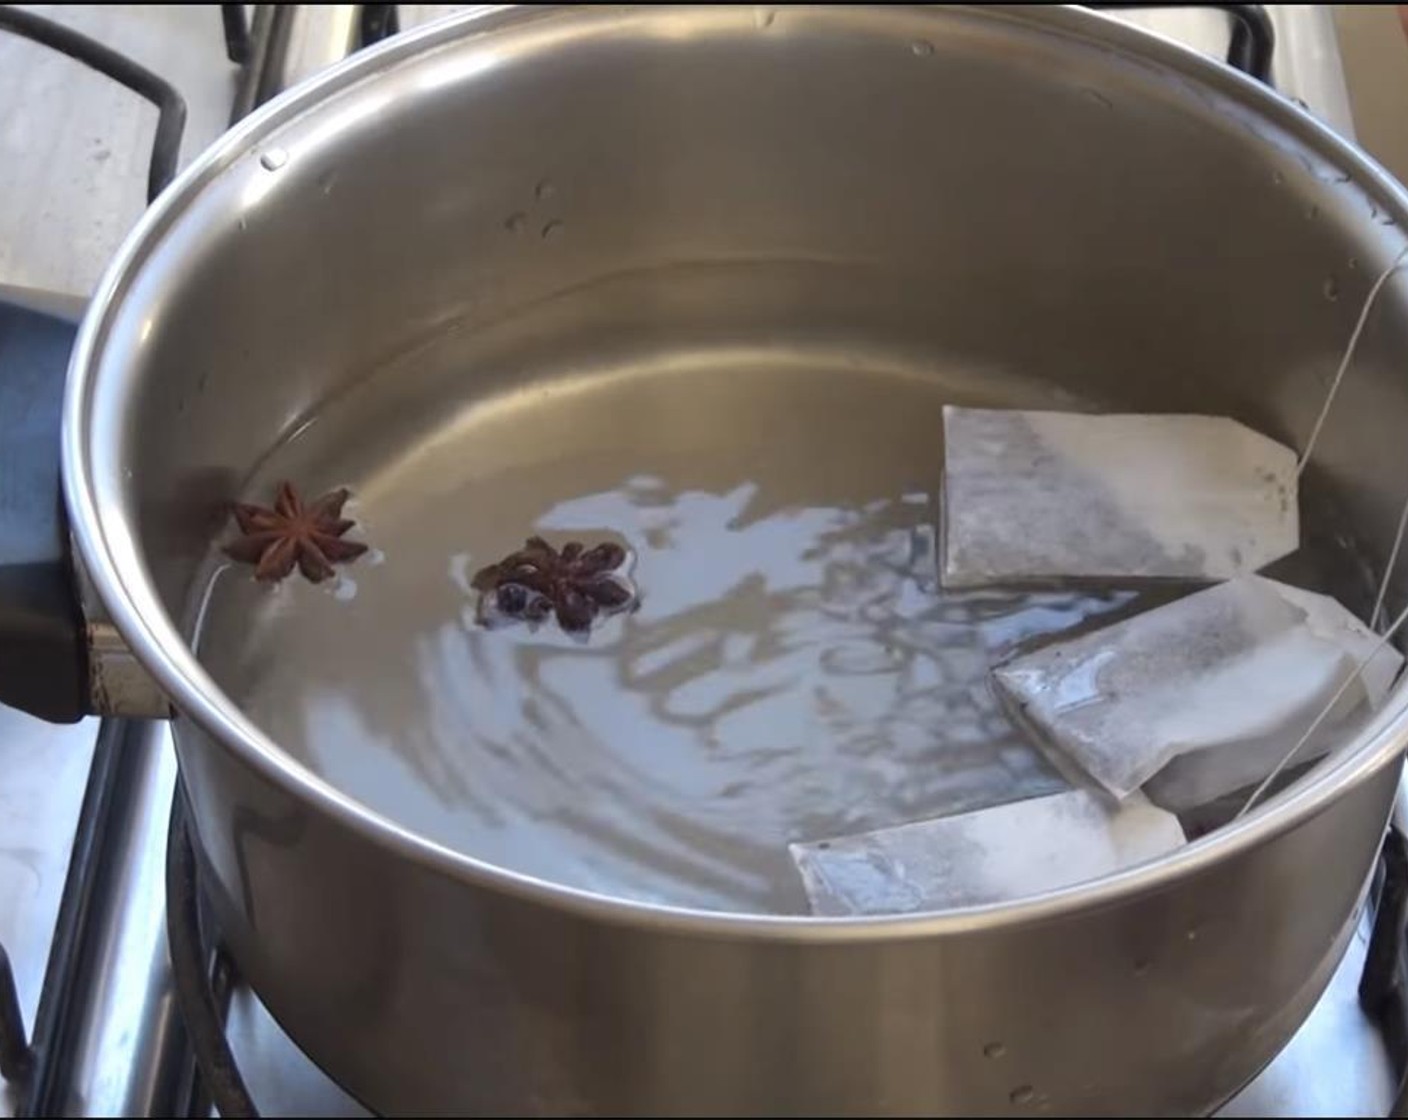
575, 584
290, 533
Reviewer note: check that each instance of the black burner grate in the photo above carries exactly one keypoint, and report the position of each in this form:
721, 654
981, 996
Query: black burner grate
201, 975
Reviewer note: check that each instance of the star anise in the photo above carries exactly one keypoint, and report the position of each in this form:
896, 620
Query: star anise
575, 584
274, 540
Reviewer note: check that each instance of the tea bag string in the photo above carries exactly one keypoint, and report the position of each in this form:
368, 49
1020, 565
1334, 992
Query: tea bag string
1348, 357
1377, 613
1349, 351
1387, 636
1378, 610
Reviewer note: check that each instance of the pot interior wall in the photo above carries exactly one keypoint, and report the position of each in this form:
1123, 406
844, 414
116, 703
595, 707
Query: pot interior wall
778, 212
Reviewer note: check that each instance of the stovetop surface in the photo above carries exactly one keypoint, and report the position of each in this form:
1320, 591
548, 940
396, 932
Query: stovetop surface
73, 154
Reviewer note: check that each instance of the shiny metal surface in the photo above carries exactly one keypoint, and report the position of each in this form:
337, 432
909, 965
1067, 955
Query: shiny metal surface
1334, 1066
45, 768
320, 35
126, 1055
1192, 973
310, 38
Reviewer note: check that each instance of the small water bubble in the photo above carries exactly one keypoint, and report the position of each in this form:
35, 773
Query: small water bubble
763, 18
374, 558
922, 48
544, 190
1332, 289
1022, 1094
1277, 178
1098, 98
552, 230
1312, 212
325, 182
516, 222
1192, 933
345, 589
1353, 264
244, 224
994, 1050
273, 159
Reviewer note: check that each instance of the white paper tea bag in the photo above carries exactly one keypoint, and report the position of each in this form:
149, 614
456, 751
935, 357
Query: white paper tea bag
1224, 681
1036, 496
1202, 776
991, 855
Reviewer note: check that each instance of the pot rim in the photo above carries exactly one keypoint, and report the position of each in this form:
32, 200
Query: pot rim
114, 563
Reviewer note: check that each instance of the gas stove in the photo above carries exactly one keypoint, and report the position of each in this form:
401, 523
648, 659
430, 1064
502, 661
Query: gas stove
122, 1001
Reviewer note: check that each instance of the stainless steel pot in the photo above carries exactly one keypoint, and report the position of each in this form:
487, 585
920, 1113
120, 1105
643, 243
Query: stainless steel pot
1027, 193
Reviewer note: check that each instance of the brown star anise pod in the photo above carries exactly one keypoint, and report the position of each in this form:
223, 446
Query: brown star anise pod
274, 540
575, 584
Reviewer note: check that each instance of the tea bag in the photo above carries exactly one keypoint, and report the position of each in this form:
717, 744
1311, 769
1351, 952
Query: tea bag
1035, 496
1203, 776
1206, 692
991, 855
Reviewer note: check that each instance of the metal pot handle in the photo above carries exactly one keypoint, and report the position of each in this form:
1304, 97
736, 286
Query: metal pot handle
57, 662
43, 655
60, 658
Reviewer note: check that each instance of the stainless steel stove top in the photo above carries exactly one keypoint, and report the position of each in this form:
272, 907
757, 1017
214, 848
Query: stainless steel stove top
84, 810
